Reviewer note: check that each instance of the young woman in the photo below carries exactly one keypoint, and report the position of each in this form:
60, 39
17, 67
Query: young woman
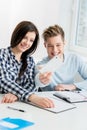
17, 68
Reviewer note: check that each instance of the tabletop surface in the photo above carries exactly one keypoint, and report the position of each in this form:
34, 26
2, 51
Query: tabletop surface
74, 119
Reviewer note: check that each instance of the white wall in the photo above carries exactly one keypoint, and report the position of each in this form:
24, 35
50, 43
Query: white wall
4, 22
41, 12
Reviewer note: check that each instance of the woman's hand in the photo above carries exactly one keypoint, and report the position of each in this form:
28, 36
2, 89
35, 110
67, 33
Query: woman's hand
41, 101
45, 78
9, 98
62, 87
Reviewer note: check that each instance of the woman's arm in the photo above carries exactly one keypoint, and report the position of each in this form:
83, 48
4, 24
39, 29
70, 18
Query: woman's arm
41, 101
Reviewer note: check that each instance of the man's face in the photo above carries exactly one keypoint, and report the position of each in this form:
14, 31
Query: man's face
55, 46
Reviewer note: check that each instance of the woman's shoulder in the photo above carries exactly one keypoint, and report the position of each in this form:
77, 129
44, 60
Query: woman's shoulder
31, 61
30, 58
4, 51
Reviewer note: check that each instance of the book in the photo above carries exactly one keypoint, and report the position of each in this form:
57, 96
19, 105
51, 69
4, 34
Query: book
60, 105
52, 65
72, 96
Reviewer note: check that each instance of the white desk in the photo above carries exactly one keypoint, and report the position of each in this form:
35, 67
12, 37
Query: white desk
75, 119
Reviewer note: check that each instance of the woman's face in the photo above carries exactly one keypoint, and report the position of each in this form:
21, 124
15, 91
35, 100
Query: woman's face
55, 46
26, 42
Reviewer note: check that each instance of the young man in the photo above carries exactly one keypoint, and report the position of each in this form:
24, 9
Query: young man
62, 78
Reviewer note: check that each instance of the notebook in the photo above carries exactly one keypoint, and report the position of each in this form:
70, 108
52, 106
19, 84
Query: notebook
72, 96
60, 105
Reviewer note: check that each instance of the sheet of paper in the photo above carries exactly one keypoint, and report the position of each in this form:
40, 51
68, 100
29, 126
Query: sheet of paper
60, 105
52, 65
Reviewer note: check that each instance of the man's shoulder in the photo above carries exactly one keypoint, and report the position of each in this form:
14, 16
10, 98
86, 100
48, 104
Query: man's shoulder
73, 56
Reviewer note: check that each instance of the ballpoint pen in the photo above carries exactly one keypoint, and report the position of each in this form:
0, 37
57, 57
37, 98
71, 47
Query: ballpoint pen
77, 90
15, 109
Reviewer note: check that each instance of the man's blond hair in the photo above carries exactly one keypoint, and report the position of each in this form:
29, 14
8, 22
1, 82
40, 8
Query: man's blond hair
52, 31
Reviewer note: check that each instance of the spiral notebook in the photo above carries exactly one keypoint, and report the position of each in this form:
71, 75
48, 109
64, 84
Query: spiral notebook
72, 96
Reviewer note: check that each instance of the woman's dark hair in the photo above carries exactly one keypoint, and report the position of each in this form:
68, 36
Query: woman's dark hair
18, 34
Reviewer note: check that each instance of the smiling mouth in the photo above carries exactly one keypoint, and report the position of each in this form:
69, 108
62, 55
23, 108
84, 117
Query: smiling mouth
24, 47
55, 54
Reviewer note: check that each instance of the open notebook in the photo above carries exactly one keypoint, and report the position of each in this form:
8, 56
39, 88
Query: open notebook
72, 96
60, 105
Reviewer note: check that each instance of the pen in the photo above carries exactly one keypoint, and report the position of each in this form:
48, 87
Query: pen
67, 90
16, 109
78, 91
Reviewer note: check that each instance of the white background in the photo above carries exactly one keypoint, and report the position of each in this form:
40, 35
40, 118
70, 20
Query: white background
42, 13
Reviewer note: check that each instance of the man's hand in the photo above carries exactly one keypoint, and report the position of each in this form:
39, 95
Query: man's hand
45, 78
62, 87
